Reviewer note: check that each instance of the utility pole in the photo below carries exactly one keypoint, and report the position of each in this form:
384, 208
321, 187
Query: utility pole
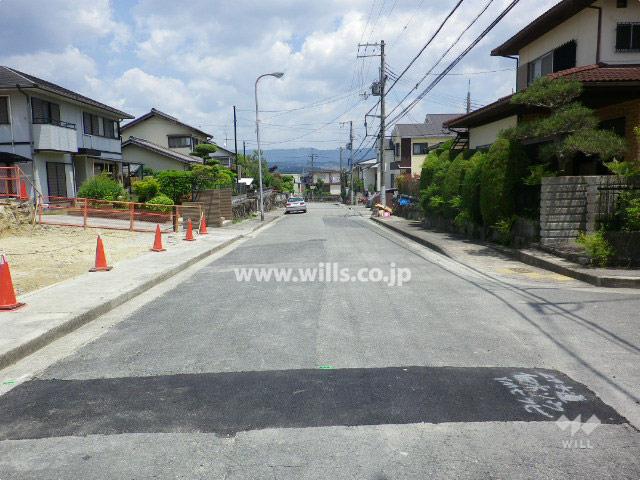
469, 97
378, 89
350, 147
235, 141
313, 156
341, 184
383, 80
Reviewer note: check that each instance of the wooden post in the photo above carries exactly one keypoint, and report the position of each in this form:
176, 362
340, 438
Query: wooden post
175, 218
85, 213
132, 207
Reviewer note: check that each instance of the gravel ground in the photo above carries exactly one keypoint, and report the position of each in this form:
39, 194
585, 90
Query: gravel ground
43, 255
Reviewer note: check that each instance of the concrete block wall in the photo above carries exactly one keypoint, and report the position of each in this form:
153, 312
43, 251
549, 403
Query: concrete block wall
570, 205
563, 209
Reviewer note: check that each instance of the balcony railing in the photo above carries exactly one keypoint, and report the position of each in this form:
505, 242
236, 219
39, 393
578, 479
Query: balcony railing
51, 121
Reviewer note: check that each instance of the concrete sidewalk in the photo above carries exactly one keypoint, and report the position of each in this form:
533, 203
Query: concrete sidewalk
59, 309
456, 247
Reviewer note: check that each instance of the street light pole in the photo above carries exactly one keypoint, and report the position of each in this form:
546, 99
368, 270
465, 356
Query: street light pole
277, 75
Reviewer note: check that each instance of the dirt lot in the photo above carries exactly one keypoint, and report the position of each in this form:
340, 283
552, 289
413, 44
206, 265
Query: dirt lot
44, 254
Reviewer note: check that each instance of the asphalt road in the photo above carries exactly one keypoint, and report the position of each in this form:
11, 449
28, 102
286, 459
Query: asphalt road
461, 372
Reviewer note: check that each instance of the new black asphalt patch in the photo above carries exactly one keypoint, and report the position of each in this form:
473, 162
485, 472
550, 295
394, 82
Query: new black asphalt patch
226, 403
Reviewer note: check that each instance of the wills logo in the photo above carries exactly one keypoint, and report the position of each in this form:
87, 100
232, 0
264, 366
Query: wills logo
576, 425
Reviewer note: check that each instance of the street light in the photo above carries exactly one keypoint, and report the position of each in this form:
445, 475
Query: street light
277, 75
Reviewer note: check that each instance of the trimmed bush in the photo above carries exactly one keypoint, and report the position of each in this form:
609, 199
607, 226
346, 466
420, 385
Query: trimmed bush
434, 172
501, 174
146, 189
470, 201
102, 187
175, 184
160, 204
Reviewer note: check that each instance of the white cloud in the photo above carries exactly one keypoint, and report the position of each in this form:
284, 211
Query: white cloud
197, 61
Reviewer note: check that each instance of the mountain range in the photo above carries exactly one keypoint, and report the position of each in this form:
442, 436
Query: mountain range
296, 160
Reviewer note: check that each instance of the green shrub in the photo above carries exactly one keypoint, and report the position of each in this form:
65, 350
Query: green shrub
146, 189
470, 195
102, 187
627, 214
175, 184
434, 172
502, 172
160, 204
503, 228
596, 247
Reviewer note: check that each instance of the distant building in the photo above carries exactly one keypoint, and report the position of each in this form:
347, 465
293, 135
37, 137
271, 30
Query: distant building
412, 141
160, 141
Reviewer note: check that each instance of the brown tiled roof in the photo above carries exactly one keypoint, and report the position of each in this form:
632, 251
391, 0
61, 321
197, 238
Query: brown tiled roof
601, 73
10, 78
550, 19
500, 109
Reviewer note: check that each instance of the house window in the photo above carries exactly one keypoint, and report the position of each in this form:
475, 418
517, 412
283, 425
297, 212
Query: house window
4, 110
179, 142
628, 37
91, 123
420, 148
540, 66
45, 112
110, 130
561, 58
621, 4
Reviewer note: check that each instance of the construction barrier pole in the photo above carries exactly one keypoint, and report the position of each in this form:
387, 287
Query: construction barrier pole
85, 213
131, 216
175, 219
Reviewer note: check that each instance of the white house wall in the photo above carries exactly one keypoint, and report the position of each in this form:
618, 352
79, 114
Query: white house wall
583, 28
487, 134
154, 161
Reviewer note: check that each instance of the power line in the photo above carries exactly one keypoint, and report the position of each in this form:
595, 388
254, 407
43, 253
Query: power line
455, 61
431, 39
446, 52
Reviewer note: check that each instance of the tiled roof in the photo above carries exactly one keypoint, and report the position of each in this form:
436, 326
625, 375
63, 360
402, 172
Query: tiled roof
466, 120
432, 127
159, 149
10, 78
601, 73
550, 19
157, 113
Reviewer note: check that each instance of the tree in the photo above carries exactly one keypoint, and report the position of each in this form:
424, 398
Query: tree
203, 150
570, 127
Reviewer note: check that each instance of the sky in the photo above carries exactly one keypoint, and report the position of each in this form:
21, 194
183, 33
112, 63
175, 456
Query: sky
196, 59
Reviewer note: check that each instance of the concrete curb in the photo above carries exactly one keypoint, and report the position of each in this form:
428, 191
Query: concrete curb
415, 238
529, 259
12, 356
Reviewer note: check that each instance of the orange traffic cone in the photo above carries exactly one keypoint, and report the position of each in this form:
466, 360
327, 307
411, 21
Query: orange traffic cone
101, 259
23, 190
203, 225
157, 243
189, 236
7, 293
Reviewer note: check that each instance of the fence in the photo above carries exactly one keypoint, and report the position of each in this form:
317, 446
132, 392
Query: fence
13, 183
116, 215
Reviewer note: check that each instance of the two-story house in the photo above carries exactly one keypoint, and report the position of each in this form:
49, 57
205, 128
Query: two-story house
162, 142
596, 42
412, 141
58, 138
